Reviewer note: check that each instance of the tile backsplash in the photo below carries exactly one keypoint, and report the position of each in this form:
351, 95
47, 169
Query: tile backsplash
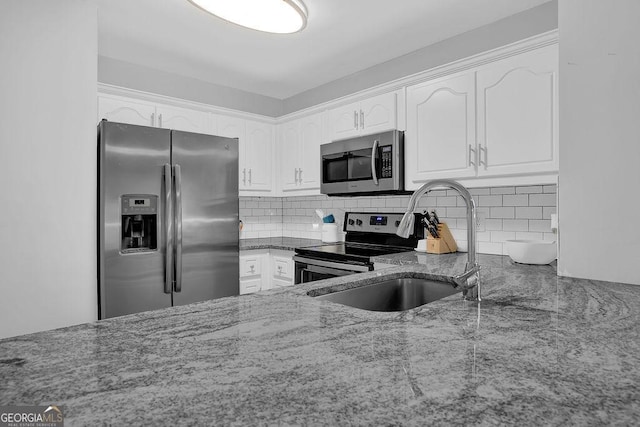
504, 213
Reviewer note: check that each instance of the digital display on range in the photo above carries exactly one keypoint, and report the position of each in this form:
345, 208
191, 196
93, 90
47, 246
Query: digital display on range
378, 220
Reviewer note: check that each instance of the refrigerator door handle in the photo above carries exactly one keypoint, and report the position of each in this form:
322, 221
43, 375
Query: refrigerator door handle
178, 178
168, 227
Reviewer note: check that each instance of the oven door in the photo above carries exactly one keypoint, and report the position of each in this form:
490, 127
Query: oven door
310, 269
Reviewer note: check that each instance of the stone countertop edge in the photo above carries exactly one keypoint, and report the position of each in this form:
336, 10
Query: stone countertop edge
281, 243
538, 350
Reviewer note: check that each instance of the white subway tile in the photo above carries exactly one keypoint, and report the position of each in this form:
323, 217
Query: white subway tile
533, 189
484, 236
528, 235
335, 203
550, 237
503, 190
515, 200
456, 212
547, 211
493, 248
395, 202
542, 225
502, 212
501, 236
446, 201
515, 225
542, 200
529, 212
553, 188
378, 202
479, 191
492, 224
490, 200
364, 203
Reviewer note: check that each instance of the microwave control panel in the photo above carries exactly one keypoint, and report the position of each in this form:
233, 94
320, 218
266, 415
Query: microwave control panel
387, 161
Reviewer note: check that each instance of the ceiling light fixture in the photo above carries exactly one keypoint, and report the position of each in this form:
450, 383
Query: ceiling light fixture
271, 16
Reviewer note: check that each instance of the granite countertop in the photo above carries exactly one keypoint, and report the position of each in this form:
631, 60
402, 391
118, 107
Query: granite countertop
538, 350
283, 243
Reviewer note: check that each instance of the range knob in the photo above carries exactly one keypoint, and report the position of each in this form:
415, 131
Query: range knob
351, 222
398, 223
358, 222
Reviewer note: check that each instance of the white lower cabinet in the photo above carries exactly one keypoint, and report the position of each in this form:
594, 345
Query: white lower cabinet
252, 266
263, 269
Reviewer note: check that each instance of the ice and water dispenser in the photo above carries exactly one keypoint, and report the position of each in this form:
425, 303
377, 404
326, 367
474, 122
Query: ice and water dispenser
139, 227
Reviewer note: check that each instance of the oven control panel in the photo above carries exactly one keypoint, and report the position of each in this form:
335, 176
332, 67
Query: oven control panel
372, 222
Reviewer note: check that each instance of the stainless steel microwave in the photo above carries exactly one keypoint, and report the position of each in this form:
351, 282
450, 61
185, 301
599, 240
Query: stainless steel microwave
372, 164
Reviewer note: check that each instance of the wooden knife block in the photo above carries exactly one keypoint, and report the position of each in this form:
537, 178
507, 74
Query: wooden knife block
445, 244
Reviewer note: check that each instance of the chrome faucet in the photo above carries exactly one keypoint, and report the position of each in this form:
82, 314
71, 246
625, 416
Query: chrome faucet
469, 281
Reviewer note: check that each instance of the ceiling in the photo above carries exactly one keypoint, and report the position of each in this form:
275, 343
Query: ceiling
342, 37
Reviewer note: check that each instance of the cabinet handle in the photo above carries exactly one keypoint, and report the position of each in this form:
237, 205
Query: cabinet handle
299, 176
485, 156
153, 119
361, 119
244, 176
472, 156
160, 120
295, 175
355, 119
249, 176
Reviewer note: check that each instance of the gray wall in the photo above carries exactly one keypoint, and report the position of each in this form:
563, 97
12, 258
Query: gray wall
598, 205
133, 76
517, 27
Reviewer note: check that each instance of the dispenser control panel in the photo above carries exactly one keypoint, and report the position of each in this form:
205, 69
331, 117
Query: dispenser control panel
139, 223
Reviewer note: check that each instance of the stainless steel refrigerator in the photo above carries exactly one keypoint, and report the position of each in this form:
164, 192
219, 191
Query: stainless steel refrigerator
167, 218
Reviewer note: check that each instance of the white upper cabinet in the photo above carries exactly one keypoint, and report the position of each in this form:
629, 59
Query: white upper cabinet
375, 114
518, 113
440, 135
124, 110
184, 119
255, 163
499, 119
258, 156
299, 154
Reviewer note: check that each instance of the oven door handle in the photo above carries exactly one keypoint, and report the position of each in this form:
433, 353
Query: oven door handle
325, 270
328, 264
374, 152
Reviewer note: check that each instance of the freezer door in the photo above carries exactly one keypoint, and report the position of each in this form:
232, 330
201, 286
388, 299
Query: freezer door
131, 162
206, 200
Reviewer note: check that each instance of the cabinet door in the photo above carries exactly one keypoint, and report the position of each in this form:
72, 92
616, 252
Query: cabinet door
183, 119
309, 151
344, 122
123, 110
259, 156
518, 114
232, 127
440, 135
249, 286
378, 114
288, 155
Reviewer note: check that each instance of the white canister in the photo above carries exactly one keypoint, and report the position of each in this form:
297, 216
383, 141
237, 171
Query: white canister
330, 232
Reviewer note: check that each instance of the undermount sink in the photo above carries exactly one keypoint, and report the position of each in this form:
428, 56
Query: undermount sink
393, 294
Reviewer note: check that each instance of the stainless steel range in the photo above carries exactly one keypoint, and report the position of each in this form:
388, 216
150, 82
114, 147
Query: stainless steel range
368, 234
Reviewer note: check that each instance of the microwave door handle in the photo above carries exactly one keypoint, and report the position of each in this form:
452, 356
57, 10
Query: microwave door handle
374, 152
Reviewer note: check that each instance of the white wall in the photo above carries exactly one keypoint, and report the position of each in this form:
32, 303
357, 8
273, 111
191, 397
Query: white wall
48, 174
599, 185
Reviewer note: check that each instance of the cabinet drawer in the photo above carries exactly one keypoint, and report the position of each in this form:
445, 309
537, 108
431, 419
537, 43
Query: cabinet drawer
282, 267
249, 286
281, 283
250, 266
